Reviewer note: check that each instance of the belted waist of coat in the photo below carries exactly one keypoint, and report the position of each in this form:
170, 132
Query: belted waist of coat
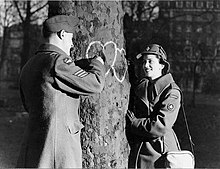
153, 140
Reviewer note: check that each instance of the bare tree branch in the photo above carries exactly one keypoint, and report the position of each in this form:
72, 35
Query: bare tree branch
38, 9
18, 9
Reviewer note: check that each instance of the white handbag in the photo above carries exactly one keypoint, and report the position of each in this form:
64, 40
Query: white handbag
179, 159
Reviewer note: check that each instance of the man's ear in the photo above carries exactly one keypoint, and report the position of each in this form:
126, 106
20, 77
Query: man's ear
61, 34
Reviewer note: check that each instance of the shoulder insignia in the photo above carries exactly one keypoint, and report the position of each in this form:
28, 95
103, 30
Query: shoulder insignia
67, 60
54, 54
81, 73
170, 107
174, 96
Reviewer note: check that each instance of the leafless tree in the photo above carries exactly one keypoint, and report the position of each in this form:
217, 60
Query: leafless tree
29, 12
7, 18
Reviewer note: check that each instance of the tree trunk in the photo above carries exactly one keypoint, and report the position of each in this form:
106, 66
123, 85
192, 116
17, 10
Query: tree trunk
3, 52
104, 142
25, 53
26, 24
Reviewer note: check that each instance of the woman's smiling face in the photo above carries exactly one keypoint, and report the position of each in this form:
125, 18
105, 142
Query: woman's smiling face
152, 66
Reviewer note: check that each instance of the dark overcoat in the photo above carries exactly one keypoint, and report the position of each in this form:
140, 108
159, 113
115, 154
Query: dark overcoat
150, 133
50, 86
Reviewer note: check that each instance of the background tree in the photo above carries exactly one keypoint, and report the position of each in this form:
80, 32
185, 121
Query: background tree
139, 25
7, 18
101, 28
29, 12
147, 22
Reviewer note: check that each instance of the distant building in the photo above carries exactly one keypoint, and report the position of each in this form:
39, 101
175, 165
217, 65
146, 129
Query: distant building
14, 41
193, 30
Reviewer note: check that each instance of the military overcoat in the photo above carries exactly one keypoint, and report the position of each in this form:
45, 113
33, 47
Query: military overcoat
50, 86
150, 133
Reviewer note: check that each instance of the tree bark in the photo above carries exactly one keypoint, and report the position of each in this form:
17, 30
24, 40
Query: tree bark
104, 142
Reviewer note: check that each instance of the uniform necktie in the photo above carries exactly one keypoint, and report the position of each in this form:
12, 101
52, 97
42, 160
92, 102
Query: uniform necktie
150, 91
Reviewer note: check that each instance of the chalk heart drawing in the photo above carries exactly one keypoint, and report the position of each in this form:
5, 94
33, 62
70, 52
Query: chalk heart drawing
115, 57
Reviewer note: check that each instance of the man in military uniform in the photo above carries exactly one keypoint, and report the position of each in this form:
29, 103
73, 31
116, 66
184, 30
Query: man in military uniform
50, 86
150, 120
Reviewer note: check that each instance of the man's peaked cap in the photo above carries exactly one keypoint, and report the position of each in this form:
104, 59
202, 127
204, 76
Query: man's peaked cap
61, 22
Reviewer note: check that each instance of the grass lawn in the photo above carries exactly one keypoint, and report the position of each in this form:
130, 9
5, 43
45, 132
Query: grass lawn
203, 121
12, 125
205, 131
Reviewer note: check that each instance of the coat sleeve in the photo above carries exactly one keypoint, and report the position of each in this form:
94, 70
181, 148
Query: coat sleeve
74, 79
162, 117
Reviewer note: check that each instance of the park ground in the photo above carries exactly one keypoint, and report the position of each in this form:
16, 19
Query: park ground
203, 122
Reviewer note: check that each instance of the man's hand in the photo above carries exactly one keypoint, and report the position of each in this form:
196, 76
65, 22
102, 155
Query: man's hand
99, 59
102, 55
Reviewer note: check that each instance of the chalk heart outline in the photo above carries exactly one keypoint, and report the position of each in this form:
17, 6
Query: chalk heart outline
120, 63
121, 51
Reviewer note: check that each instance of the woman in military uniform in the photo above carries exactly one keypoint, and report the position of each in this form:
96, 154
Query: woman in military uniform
157, 102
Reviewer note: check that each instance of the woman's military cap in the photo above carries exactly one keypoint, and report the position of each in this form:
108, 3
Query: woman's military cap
156, 50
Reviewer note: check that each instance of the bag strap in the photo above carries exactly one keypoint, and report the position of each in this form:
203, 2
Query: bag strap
177, 141
184, 115
187, 126
163, 143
